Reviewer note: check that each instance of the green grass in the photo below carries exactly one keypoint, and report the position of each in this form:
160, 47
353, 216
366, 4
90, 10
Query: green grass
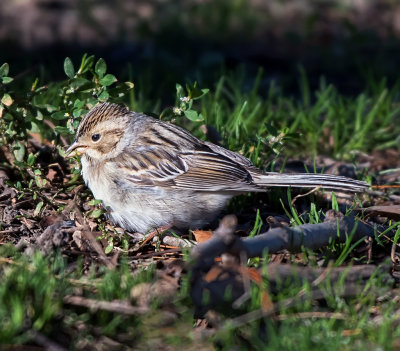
33, 288
323, 121
261, 123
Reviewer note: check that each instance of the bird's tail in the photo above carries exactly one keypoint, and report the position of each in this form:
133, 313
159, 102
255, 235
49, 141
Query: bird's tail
309, 180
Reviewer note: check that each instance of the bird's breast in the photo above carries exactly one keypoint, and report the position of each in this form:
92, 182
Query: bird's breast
97, 178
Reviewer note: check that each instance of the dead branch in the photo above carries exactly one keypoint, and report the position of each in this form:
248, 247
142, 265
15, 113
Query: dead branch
312, 236
155, 253
117, 306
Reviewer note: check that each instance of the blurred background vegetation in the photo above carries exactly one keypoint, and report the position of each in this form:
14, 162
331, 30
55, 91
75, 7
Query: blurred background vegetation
347, 42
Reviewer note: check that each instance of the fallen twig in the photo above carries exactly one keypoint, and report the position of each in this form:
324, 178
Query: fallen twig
117, 306
315, 314
155, 253
311, 236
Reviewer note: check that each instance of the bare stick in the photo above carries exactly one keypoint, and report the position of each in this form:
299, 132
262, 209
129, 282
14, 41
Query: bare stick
312, 236
117, 306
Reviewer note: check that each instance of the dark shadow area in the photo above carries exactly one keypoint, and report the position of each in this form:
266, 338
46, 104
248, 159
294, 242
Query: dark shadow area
351, 44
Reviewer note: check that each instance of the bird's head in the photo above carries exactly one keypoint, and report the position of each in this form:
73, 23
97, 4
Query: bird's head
100, 132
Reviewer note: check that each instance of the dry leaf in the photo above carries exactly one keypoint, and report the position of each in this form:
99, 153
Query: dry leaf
351, 332
77, 237
51, 174
202, 235
213, 274
266, 301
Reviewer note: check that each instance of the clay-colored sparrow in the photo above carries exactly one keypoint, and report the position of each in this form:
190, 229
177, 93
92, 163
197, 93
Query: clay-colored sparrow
151, 173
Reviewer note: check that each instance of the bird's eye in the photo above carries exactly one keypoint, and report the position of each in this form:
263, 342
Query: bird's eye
96, 137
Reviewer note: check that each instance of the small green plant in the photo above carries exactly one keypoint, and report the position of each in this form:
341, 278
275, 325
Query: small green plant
53, 117
52, 112
184, 103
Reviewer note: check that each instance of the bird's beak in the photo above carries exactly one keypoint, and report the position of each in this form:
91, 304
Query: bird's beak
75, 148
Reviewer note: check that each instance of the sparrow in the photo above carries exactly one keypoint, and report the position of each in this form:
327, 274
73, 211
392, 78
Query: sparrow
150, 173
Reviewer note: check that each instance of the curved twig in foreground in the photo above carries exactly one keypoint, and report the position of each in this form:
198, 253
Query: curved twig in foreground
312, 236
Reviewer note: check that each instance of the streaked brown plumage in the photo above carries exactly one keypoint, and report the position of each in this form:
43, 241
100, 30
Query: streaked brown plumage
151, 173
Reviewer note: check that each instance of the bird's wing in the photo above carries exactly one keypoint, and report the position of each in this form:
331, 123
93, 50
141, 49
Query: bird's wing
166, 155
238, 158
197, 170
150, 166
211, 171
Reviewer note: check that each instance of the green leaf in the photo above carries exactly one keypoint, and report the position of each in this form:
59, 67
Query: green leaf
34, 84
6, 80
120, 89
100, 68
104, 96
10, 129
40, 89
86, 63
38, 208
179, 91
94, 202
96, 213
197, 93
193, 116
7, 100
78, 103
47, 107
35, 127
31, 159
75, 124
69, 68
129, 85
62, 130
19, 151
4, 69
107, 80
91, 101
39, 181
50, 108
109, 248
78, 112
59, 116
79, 82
